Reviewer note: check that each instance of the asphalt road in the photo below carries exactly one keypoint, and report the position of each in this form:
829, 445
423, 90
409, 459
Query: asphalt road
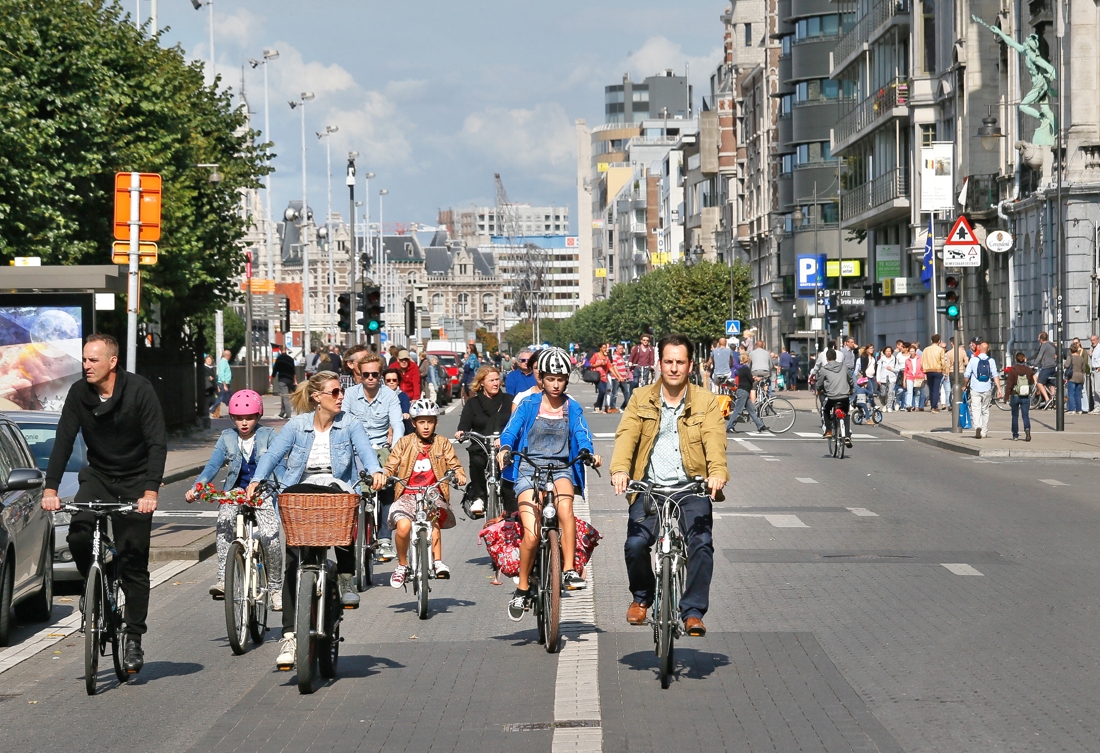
901, 599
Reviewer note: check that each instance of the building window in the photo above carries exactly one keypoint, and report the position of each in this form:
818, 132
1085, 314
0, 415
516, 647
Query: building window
817, 151
488, 304
462, 269
463, 303
785, 45
748, 35
437, 303
928, 36
927, 134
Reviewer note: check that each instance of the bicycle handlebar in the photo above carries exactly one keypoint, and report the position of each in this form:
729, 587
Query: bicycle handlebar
448, 478
696, 484
584, 457
99, 507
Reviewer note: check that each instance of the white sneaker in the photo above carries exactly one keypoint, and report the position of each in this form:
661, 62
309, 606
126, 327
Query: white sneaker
442, 571
386, 552
477, 507
276, 600
397, 577
288, 647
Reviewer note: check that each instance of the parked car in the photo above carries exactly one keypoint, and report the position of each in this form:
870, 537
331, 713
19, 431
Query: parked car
450, 363
26, 535
39, 428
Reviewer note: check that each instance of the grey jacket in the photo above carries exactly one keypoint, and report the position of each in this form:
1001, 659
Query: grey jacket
836, 380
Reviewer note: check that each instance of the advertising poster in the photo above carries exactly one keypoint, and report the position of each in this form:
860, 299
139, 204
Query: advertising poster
887, 262
40, 350
937, 177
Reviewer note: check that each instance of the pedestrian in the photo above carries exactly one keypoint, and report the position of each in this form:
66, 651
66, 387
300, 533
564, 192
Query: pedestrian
914, 380
934, 364
1019, 382
1045, 361
792, 373
620, 377
335, 361
848, 353
410, 375
1094, 369
985, 386
432, 378
350, 375
743, 391
886, 376
720, 364
1075, 366
312, 361
760, 361
959, 352
642, 356
520, 378
785, 365
470, 364
210, 372
284, 378
225, 377
600, 362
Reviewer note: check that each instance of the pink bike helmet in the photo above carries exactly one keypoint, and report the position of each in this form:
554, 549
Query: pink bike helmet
245, 403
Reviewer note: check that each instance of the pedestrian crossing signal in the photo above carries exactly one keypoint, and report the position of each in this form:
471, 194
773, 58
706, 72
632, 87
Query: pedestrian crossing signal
949, 298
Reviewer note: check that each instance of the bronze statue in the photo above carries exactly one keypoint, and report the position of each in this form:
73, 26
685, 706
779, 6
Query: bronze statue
1036, 102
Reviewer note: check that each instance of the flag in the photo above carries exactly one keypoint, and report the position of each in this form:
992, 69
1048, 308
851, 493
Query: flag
927, 263
962, 194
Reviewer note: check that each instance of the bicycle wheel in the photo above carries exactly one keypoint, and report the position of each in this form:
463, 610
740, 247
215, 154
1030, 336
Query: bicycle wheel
857, 416
423, 573
833, 442
364, 551
841, 435
876, 416
778, 415
236, 599
665, 628
328, 648
93, 626
492, 505
115, 618
305, 623
259, 597
551, 592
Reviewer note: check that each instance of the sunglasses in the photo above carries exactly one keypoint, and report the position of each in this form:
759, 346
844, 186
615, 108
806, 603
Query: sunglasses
336, 392
370, 374
395, 380
524, 360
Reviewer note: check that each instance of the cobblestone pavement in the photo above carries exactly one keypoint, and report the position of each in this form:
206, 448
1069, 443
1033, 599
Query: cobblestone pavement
902, 599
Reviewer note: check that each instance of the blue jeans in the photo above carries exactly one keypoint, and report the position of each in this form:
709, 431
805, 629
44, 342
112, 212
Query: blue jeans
641, 534
1073, 394
935, 379
1020, 404
601, 394
742, 403
616, 385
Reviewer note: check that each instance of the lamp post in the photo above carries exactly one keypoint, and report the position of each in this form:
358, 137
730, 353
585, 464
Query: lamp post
198, 6
353, 252
327, 237
305, 216
382, 263
268, 56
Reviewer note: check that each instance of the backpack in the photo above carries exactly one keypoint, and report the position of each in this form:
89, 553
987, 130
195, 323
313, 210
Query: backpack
1023, 386
983, 372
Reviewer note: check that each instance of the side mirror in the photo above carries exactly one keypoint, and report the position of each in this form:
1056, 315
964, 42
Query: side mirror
24, 478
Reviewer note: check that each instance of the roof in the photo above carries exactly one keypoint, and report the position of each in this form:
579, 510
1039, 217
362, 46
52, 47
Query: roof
439, 238
437, 260
402, 248
484, 263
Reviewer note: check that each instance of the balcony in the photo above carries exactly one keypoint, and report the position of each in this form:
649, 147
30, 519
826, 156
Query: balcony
982, 193
878, 201
867, 29
891, 100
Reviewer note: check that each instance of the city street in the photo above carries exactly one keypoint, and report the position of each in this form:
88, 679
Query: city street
904, 598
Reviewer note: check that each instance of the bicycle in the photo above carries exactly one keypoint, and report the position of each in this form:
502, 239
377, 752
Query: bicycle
365, 535
420, 553
776, 413
864, 411
247, 598
670, 566
838, 432
104, 599
545, 581
487, 443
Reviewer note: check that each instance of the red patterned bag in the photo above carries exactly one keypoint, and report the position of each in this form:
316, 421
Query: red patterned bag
502, 541
587, 539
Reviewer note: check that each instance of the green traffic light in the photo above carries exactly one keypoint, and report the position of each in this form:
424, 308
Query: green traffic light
373, 327
953, 312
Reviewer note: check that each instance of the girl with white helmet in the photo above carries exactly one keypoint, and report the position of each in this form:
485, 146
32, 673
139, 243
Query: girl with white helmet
421, 458
241, 448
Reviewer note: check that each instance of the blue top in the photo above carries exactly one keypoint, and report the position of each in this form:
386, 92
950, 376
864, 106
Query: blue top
516, 382
225, 374
515, 434
976, 385
347, 439
470, 367
378, 415
228, 450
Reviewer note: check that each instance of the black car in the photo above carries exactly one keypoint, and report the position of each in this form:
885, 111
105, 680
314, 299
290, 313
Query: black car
26, 535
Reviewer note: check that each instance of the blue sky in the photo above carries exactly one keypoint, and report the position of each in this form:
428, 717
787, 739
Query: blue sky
437, 96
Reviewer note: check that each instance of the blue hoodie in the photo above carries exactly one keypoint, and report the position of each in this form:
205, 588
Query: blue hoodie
514, 436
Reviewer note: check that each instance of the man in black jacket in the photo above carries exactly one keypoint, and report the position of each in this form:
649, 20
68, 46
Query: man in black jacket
123, 428
284, 377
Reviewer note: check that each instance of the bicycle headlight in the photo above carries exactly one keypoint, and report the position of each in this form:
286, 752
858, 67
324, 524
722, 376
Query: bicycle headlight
549, 512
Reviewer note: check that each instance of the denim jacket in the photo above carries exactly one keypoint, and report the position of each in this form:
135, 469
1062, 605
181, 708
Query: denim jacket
228, 450
514, 436
347, 440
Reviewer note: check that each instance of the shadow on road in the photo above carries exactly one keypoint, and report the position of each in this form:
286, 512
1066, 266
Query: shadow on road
363, 665
435, 606
691, 663
156, 670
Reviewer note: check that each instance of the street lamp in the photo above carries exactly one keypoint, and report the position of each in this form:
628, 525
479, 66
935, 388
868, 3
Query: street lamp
325, 134
382, 259
268, 56
198, 6
989, 132
306, 216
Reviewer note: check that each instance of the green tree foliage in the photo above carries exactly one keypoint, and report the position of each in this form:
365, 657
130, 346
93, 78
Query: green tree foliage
85, 96
232, 334
694, 301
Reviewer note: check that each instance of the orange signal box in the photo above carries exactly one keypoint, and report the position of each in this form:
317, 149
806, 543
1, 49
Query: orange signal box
147, 252
149, 214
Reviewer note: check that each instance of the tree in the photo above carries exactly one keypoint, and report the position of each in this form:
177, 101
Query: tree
87, 95
519, 335
232, 334
488, 339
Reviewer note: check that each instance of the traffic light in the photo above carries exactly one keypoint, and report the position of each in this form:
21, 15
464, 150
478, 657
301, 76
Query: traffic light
950, 298
286, 317
372, 310
410, 318
343, 311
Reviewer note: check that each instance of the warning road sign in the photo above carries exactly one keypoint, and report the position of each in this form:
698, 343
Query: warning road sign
961, 248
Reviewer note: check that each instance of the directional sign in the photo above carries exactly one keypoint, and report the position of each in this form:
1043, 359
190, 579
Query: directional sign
961, 248
149, 212
147, 252
733, 327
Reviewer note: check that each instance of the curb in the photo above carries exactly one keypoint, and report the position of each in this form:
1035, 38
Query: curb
181, 473
933, 441
203, 549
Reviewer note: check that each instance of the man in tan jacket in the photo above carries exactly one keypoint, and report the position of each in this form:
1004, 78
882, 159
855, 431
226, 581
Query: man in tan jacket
671, 433
934, 362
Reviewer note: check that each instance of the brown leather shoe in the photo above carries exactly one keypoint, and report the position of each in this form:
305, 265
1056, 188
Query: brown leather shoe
695, 627
635, 613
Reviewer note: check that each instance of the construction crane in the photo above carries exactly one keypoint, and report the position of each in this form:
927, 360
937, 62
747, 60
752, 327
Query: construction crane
526, 288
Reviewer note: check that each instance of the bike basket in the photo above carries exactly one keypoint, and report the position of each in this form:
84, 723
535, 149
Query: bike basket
318, 519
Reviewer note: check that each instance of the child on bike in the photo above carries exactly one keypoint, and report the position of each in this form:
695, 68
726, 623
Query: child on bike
422, 458
241, 448
549, 427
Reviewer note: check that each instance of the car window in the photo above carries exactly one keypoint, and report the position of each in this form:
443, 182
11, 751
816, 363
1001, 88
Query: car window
447, 360
10, 456
40, 438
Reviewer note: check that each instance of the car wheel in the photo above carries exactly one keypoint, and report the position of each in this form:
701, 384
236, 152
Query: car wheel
39, 607
7, 619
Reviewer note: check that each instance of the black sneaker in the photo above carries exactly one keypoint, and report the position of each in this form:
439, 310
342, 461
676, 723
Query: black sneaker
519, 604
134, 658
573, 581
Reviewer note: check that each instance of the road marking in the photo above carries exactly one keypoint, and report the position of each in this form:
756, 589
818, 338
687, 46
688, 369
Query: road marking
59, 631
817, 435
1053, 482
805, 480
961, 568
809, 434
603, 435
185, 514
777, 521
577, 689
749, 445
769, 458
862, 512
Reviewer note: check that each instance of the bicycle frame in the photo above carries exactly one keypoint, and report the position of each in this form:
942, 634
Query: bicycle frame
492, 472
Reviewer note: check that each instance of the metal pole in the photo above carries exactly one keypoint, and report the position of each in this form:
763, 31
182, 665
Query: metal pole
154, 29
213, 65
248, 320
133, 280
305, 242
328, 244
1060, 237
382, 265
267, 201
353, 254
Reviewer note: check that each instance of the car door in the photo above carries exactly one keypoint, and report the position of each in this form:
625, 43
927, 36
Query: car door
37, 523
13, 516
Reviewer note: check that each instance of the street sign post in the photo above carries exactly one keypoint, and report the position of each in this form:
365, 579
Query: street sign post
961, 248
137, 219
120, 252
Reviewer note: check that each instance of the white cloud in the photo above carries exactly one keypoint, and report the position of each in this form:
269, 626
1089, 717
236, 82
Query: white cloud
539, 139
291, 75
375, 128
658, 53
240, 27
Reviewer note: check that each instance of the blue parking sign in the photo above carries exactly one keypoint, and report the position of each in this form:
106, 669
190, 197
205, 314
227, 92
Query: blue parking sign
733, 327
384, 337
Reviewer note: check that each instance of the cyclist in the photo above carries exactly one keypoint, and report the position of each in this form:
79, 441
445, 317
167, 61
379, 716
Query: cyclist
743, 401
671, 432
123, 427
549, 427
487, 412
834, 381
317, 447
422, 457
642, 358
378, 408
241, 447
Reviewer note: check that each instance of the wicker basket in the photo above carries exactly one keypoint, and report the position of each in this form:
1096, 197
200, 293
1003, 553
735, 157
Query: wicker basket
318, 519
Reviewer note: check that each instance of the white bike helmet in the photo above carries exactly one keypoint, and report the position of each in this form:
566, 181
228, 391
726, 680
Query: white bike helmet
553, 361
423, 407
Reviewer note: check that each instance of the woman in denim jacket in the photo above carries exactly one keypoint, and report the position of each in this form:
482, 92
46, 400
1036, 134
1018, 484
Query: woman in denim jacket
241, 449
319, 446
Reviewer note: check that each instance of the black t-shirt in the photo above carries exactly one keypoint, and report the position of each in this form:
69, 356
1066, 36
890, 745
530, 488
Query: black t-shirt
744, 377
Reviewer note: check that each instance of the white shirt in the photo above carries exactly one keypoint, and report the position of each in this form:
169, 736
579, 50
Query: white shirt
320, 456
529, 391
1094, 358
246, 445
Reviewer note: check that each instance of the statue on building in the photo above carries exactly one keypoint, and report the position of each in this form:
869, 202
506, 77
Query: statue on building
1036, 102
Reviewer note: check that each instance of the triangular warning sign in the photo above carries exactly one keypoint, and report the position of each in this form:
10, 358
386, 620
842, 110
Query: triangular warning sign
961, 234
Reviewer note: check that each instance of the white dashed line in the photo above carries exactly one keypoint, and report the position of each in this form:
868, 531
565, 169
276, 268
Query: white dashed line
961, 568
769, 458
805, 480
862, 512
749, 445
1053, 482
809, 434
185, 514
777, 521
603, 435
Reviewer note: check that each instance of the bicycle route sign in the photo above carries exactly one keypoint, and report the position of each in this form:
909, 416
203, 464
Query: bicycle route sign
961, 249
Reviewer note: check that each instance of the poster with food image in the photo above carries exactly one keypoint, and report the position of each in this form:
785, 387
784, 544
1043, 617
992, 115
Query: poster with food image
40, 349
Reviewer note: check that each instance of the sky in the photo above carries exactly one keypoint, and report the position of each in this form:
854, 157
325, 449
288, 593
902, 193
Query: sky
438, 96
